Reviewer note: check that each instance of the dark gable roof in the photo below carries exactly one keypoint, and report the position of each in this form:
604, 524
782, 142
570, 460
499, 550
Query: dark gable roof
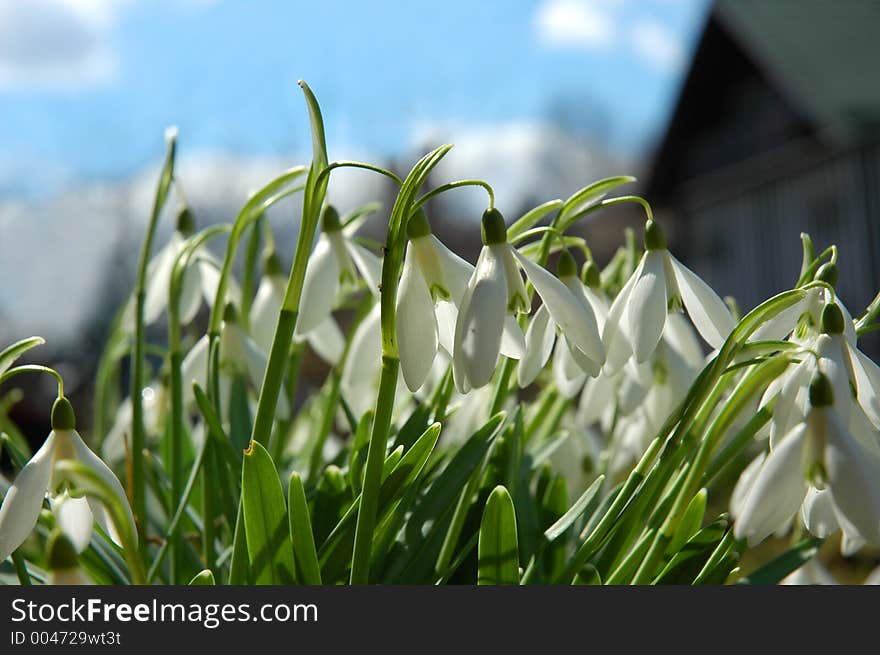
768, 73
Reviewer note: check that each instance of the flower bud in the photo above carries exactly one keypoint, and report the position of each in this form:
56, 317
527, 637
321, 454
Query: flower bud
832, 319
821, 393
655, 238
63, 417
60, 552
590, 275
272, 264
230, 314
186, 222
330, 220
566, 266
493, 228
829, 273
418, 225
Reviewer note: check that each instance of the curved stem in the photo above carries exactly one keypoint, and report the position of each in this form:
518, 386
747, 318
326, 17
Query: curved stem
35, 368
455, 185
325, 174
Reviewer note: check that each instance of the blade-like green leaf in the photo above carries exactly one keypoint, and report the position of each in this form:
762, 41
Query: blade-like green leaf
589, 196
204, 578
13, 352
498, 553
690, 522
787, 563
305, 555
575, 511
270, 552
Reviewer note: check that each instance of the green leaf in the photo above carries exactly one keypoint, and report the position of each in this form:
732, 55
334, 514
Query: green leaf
304, 552
690, 522
575, 511
553, 506
358, 456
13, 352
319, 142
587, 197
788, 562
204, 578
498, 554
270, 552
687, 563
239, 413
532, 218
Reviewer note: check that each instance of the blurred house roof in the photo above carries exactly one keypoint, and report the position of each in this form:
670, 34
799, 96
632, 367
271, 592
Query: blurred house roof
776, 83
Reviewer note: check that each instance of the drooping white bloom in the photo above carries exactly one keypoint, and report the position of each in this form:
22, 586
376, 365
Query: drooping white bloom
154, 400
432, 285
334, 263
326, 340
823, 452
577, 356
24, 498
495, 292
200, 280
660, 283
239, 355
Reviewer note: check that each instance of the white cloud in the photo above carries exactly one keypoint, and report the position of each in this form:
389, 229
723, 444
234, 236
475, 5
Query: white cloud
527, 163
587, 24
58, 44
657, 46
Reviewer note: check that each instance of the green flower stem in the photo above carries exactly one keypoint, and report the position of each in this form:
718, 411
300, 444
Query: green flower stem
138, 489
21, 572
863, 325
278, 438
456, 185
175, 353
744, 392
378, 444
35, 368
740, 440
249, 276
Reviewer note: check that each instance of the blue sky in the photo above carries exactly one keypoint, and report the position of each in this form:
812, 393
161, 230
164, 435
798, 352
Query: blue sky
87, 86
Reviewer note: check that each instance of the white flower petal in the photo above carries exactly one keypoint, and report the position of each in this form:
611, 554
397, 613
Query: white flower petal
363, 364
777, 491
447, 317
480, 322
513, 343
867, 375
368, 265
21, 505
191, 294
707, 311
416, 325
540, 336
75, 519
568, 376
90, 459
781, 325
574, 317
209, 273
159, 278
818, 514
320, 286
614, 339
195, 369
518, 299
265, 310
327, 341
744, 485
597, 396
854, 479
456, 271
647, 307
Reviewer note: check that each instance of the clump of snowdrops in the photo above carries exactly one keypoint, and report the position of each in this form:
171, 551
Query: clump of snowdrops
531, 418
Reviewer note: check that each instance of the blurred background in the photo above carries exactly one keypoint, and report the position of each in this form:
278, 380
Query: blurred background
746, 122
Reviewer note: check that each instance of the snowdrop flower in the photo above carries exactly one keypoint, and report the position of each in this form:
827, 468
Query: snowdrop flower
326, 339
571, 364
432, 285
824, 453
495, 293
200, 279
239, 355
155, 403
333, 264
24, 499
659, 284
